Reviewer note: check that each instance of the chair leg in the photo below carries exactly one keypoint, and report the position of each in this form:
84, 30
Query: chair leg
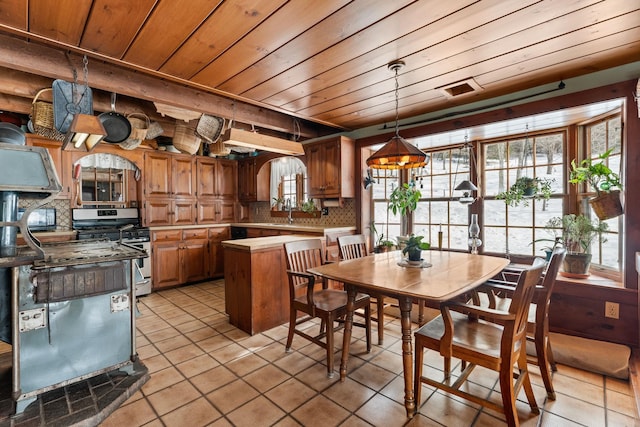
507, 392
526, 383
329, 326
419, 360
292, 326
421, 312
367, 322
552, 360
380, 316
542, 354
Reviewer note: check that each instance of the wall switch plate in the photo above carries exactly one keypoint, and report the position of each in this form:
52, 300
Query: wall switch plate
612, 310
325, 211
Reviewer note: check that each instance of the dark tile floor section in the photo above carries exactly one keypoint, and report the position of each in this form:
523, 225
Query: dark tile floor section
81, 404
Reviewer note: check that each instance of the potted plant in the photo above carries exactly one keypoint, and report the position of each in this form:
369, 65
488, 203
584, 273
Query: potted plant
382, 244
278, 203
414, 247
403, 200
577, 234
603, 181
526, 188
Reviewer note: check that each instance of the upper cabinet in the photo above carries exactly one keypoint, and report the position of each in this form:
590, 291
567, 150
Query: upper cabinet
168, 175
253, 184
216, 178
330, 168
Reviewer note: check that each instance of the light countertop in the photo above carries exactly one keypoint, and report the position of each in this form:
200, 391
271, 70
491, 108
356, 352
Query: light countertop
296, 227
260, 243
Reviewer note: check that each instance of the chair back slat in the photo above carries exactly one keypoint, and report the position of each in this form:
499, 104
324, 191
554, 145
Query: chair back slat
353, 246
302, 255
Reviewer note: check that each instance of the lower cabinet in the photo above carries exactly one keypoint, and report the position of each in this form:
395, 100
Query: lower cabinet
180, 256
216, 252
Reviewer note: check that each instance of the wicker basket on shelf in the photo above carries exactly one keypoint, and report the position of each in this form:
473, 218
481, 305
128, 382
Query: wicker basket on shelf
139, 126
42, 117
185, 139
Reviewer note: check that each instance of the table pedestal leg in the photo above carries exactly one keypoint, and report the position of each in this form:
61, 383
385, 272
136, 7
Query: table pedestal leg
405, 304
348, 325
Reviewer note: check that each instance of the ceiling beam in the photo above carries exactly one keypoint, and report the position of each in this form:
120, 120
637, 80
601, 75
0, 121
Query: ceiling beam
56, 64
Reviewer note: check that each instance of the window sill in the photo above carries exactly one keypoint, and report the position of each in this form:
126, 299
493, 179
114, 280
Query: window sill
593, 279
295, 214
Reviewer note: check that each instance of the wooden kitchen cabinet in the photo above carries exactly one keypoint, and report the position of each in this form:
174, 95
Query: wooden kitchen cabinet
330, 168
216, 252
216, 178
217, 188
179, 256
168, 189
253, 184
168, 175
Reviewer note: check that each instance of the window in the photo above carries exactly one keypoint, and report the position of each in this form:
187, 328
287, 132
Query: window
439, 208
104, 180
288, 181
386, 224
599, 137
514, 229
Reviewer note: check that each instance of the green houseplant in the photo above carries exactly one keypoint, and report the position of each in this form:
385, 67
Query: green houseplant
603, 181
382, 244
414, 247
403, 200
526, 188
577, 234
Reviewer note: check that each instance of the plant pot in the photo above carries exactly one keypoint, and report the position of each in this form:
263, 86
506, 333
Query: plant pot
381, 249
529, 192
576, 265
414, 255
607, 205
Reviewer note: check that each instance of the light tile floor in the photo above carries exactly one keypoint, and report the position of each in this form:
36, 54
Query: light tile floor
205, 372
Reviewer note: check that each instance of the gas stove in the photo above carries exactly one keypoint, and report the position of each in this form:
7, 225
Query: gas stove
112, 224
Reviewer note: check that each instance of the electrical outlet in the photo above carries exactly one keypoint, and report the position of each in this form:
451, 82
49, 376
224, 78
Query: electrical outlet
612, 310
325, 211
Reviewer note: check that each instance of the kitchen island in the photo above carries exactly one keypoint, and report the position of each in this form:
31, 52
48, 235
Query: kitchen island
256, 284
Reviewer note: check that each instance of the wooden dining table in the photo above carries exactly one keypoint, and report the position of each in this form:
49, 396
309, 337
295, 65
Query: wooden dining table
442, 276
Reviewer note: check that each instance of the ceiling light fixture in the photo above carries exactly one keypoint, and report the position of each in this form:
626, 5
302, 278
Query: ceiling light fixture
397, 153
249, 139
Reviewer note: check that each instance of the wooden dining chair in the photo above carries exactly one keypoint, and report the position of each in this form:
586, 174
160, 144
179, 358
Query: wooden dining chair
355, 246
461, 332
311, 296
500, 293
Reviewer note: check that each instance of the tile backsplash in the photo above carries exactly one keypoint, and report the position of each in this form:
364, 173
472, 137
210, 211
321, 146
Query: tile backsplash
261, 212
63, 211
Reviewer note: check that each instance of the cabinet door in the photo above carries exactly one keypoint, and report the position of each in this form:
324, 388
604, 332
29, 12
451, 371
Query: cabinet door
331, 169
207, 170
183, 212
157, 174
166, 265
226, 211
195, 254
247, 185
207, 211
226, 179
315, 170
216, 251
182, 177
158, 211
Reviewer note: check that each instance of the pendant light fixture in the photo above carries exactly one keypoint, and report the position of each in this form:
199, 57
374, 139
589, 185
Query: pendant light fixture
466, 186
397, 153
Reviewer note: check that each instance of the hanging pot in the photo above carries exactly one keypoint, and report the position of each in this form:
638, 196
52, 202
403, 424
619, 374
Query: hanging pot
607, 205
117, 126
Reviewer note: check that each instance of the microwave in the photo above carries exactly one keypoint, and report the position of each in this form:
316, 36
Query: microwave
42, 219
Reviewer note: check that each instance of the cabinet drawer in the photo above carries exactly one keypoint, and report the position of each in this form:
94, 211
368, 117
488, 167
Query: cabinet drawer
219, 233
195, 233
167, 236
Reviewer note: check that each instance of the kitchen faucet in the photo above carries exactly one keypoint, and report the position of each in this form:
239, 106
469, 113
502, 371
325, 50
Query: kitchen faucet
287, 206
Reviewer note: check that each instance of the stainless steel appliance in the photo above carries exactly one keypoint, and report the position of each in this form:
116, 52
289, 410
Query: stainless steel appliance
121, 225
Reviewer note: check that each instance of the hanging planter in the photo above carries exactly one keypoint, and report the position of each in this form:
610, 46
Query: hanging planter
607, 204
526, 188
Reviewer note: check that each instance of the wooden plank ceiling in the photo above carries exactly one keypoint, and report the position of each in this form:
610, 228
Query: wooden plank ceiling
326, 61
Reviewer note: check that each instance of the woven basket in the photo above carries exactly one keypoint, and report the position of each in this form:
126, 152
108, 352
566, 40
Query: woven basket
42, 117
185, 139
209, 128
139, 126
154, 131
608, 205
218, 148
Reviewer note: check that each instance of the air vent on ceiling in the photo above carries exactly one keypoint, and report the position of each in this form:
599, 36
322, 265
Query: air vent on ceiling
460, 88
